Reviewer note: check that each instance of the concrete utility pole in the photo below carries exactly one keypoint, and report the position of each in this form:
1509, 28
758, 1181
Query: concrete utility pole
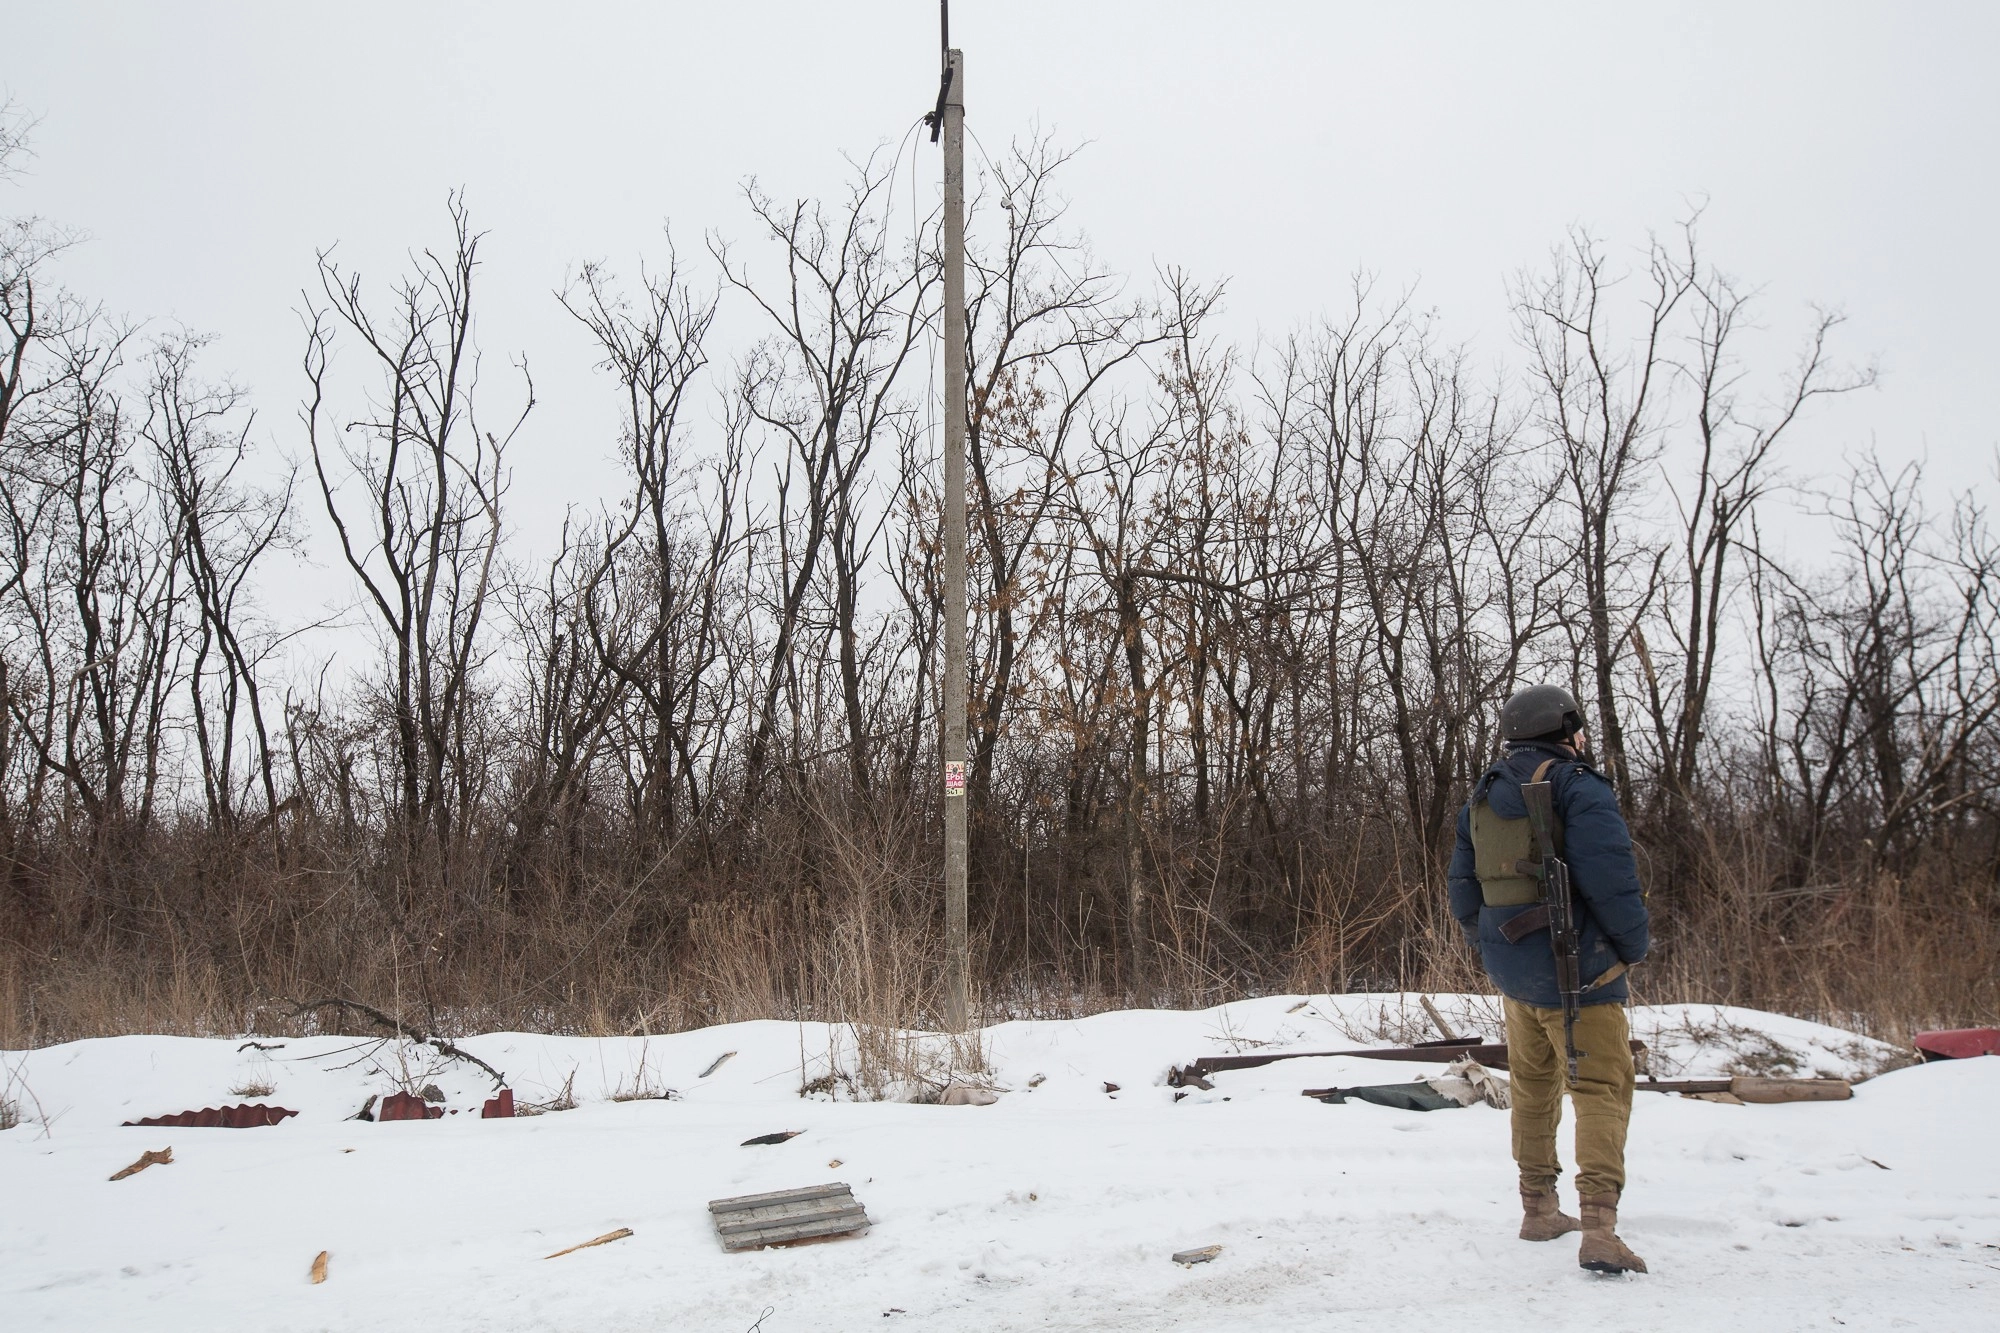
958, 958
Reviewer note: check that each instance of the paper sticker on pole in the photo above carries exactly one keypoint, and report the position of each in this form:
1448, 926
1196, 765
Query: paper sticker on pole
954, 778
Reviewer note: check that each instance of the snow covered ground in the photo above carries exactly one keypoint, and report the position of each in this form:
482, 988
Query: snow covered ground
1056, 1207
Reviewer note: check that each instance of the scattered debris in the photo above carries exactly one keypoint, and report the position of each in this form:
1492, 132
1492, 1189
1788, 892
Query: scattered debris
151, 1157
1111, 1087
367, 1111
967, 1094
1189, 1258
1038, 1080
247, 1116
620, 1234
1763, 1091
1491, 1054
787, 1217
318, 1274
834, 1165
1491, 1087
260, 1046
1468, 1082
763, 1140
1958, 1043
430, 1092
717, 1063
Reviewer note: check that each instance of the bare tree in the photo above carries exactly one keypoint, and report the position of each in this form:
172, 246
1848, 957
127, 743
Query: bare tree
423, 535
655, 351
826, 383
224, 526
1599, 396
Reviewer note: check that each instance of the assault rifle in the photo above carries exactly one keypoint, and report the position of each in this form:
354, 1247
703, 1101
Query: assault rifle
1553, 872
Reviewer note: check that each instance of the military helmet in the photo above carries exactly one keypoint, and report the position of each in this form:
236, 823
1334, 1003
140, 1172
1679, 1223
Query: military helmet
1540, 710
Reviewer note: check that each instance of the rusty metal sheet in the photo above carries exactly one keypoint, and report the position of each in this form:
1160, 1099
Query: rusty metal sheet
407, 1106
249, 1115
500, 1107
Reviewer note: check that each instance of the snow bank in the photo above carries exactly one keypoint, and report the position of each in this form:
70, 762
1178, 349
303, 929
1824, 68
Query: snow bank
1056, 1207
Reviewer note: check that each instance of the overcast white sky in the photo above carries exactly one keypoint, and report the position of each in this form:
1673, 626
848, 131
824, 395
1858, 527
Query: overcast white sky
1847, 152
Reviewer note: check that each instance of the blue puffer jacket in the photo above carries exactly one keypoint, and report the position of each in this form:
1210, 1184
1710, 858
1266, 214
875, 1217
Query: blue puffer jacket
1598, 848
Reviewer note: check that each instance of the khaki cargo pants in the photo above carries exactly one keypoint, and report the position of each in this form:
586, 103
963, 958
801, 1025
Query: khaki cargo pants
1602, 1095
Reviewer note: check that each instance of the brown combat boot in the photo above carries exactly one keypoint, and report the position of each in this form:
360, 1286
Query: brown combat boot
1542, 1217
1602, 1251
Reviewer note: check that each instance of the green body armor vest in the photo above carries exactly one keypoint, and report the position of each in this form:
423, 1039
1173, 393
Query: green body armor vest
1500, 845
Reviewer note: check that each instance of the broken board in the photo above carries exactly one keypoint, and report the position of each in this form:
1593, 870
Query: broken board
787, 1217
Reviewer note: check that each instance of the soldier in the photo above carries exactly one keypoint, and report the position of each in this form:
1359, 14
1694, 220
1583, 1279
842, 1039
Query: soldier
1543, 728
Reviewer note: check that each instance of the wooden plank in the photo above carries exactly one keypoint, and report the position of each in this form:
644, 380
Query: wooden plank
620, 1234
744, 1201
1771, 1090
1437, 1020
151, 1157
1764, 1090
1688, 1085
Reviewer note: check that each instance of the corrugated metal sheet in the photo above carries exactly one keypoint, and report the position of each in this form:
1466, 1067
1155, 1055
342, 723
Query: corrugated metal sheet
247, 1116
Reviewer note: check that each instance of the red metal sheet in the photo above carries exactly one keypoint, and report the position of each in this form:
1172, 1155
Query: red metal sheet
249, 1115
407, 1106
500, 1107
1959, 1043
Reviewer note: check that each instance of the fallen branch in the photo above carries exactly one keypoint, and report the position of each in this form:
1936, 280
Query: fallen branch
402, 1030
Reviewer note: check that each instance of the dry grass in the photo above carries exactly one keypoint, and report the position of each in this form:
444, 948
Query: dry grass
836, 917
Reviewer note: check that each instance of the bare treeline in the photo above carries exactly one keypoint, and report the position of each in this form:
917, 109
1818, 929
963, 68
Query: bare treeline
1241, 621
